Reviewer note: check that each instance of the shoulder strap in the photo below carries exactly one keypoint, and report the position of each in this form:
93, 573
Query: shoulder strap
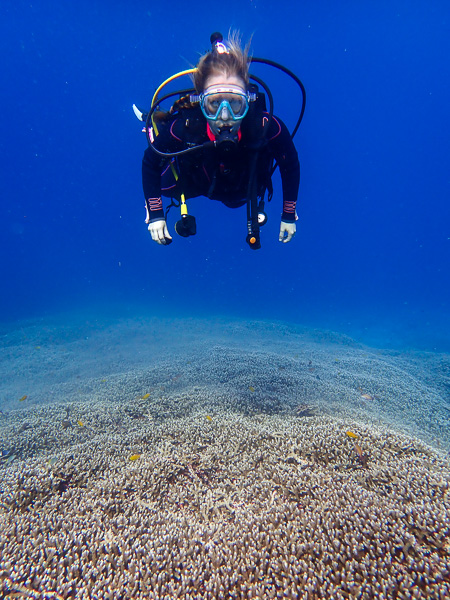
252, 124
192, 125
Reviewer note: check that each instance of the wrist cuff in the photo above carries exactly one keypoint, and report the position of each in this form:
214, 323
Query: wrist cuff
154, 209
288, 217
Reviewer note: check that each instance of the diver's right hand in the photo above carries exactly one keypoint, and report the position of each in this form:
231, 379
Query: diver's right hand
159, 232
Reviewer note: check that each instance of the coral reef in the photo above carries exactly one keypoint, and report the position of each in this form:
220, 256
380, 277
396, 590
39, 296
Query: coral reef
234, 506
240, 460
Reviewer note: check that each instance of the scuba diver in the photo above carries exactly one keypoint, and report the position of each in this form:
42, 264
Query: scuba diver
219, 140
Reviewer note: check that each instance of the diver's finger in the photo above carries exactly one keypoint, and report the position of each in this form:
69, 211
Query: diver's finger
166, 233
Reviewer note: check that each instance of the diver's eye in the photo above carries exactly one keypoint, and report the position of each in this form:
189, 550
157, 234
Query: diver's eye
236, 105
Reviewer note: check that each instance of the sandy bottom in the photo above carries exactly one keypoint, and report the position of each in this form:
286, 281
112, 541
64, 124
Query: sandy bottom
198, 459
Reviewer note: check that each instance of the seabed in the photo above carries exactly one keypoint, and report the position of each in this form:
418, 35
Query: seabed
227, 459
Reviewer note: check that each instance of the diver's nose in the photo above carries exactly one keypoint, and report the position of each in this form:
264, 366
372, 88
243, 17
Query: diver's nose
225, 114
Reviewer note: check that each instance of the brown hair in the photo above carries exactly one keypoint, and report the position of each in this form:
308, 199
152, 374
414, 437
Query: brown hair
235, 62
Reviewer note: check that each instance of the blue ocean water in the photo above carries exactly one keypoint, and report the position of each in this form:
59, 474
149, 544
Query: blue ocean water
371, 256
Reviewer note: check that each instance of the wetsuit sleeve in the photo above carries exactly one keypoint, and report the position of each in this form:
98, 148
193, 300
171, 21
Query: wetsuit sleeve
283, 150
151, 182
152, 167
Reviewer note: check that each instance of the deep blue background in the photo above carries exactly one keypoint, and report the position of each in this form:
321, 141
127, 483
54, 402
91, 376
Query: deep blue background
371, 256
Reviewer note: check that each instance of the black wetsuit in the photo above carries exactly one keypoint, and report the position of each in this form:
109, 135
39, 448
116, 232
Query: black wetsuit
212, 173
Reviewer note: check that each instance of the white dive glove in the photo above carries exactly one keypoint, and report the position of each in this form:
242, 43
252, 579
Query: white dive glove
287, 231
159, 232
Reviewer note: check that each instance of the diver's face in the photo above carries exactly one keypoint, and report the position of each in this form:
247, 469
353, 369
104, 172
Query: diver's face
225, 119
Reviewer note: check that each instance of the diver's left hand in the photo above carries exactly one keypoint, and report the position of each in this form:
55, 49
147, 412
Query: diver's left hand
287, 231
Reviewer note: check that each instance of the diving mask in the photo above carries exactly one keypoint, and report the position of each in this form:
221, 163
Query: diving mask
224, 103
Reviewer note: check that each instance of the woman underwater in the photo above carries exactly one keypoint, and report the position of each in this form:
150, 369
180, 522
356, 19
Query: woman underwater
220, 143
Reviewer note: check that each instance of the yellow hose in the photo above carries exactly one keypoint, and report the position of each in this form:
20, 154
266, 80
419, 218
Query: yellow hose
155, 95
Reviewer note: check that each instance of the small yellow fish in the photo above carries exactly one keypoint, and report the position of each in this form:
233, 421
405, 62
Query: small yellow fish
23, 398
209, 417
80, 423
351, 434
145, 396
37, 347
367, 397
251, 388
52, 461
134, 457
